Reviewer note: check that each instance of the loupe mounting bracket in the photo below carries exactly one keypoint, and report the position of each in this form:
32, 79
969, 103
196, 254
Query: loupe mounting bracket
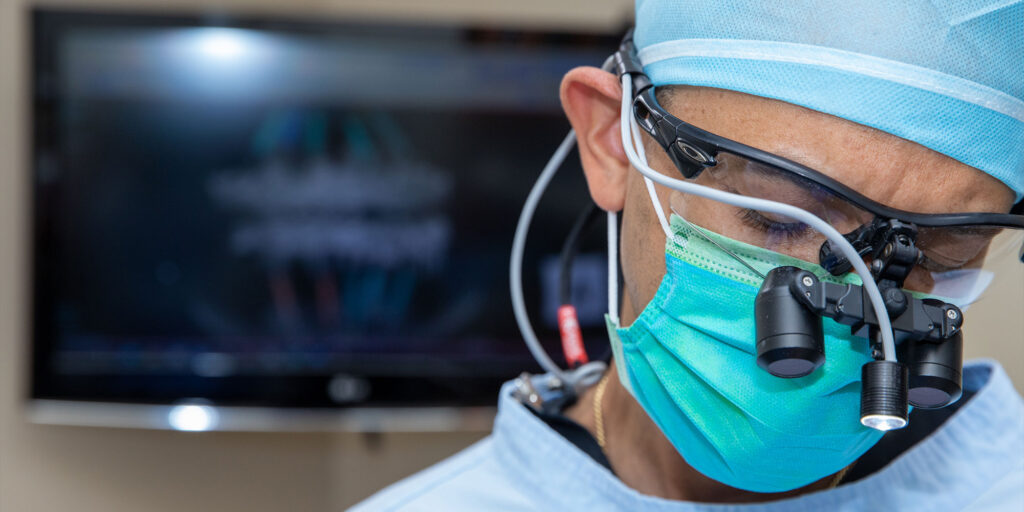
890, 242
917, 319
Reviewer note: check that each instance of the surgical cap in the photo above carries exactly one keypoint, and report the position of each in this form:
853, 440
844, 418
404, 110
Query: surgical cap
948, 75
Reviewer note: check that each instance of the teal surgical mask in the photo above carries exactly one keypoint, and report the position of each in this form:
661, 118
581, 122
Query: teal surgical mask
689, 360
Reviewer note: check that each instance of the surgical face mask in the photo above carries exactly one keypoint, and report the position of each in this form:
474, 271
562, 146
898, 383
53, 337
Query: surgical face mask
689, 360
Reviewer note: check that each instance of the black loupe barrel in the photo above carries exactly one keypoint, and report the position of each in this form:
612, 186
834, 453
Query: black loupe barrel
789, 336
935, 379
883, 395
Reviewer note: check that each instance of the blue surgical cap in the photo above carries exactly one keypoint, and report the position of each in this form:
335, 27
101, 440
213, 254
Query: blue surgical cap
946, 74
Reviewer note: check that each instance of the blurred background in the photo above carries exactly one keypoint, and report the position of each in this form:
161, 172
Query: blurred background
255, 255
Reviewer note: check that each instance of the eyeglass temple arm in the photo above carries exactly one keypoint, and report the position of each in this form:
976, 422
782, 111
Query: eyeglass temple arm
627, 62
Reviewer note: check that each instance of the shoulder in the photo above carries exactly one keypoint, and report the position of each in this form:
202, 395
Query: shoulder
996, 438
1006, 494
469, 480
973, 461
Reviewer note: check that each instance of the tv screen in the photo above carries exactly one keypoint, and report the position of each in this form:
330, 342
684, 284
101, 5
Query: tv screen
295, 214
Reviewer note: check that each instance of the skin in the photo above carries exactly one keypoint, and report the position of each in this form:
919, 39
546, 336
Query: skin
883, 167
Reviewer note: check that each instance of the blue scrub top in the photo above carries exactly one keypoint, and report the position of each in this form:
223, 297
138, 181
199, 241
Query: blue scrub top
974, 461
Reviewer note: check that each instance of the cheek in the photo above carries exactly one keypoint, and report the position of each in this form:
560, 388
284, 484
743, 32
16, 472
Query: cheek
919, 280
712, 215
642, 247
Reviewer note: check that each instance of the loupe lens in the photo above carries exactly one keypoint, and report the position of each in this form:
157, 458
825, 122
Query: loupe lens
789, 336
935, 379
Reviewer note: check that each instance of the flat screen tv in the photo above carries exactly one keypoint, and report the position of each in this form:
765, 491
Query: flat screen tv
293, 215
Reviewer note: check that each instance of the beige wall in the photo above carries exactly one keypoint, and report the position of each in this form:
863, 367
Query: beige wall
114, 470
994, 327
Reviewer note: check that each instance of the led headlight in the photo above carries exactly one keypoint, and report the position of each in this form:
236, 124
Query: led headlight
883, 395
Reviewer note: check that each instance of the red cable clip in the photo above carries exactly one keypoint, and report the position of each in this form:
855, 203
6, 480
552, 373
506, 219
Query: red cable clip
572, 339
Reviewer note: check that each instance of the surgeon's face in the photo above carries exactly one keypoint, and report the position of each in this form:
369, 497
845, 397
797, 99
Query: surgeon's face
881, 166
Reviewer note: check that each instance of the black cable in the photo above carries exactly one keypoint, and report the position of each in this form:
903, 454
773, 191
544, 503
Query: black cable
570, 248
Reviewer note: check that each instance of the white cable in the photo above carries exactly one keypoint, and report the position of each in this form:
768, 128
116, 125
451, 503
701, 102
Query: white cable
515, 273
885, 328
658, 210
613, 267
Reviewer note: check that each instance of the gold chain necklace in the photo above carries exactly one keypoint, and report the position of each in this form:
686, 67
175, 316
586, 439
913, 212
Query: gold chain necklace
598, 412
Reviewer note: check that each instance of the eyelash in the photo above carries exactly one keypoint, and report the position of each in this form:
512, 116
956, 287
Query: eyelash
785, 230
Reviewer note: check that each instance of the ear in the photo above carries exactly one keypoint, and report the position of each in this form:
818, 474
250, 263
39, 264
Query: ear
591, 98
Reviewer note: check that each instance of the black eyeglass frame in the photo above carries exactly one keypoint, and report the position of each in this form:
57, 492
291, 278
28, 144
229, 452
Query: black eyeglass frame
692, 150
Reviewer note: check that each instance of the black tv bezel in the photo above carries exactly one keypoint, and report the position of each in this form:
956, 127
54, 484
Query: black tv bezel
398, 392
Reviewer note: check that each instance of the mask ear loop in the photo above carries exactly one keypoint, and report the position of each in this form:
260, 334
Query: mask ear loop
612, 228
870, 287
613, 266
638, 144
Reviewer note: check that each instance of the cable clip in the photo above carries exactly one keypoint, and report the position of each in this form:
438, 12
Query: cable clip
572, 338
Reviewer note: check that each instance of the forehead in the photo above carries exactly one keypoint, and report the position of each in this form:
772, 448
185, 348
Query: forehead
883, 167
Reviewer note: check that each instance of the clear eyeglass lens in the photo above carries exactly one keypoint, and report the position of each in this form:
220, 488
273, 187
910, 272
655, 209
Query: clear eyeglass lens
948, 252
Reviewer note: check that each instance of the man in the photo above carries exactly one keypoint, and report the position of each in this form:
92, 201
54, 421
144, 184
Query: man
917, 106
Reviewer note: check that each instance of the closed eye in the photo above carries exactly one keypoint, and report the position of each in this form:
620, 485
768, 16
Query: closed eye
785, 230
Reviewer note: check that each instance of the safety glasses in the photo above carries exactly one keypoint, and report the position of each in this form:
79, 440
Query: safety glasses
953, 245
